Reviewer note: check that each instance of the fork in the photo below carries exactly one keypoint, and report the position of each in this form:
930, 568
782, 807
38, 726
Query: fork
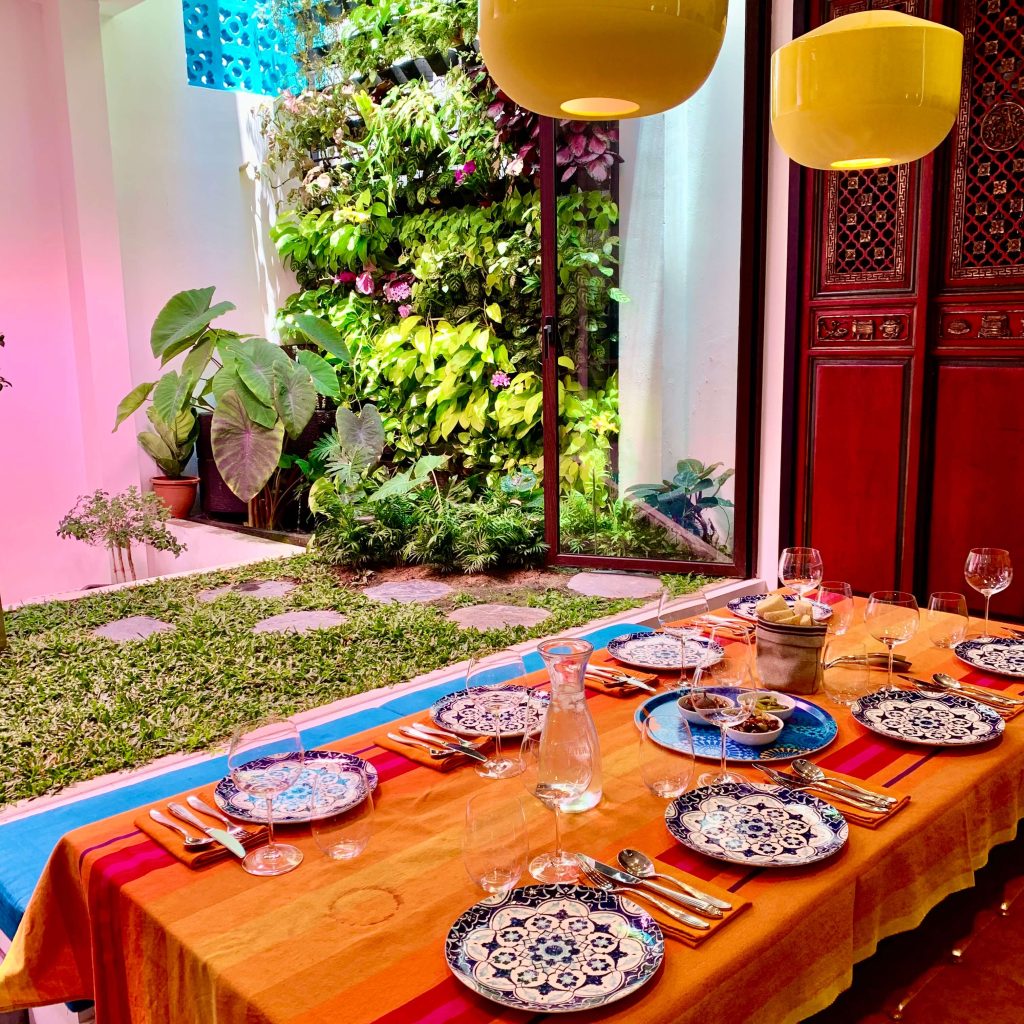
796, 783
230, 827
438, 755
604, 885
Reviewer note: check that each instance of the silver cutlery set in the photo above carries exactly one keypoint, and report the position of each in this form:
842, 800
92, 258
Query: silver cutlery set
439, 743
942, 683
633, 878
229, 835
613, 677
810, 776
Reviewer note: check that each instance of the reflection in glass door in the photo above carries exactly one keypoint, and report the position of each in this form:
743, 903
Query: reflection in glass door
654, 313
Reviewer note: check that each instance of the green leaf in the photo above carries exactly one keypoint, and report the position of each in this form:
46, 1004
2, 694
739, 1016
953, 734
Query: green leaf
493, 311
426, 464
618, 295
156, 448
294, 398
245, 452
184, 316
197, 361
171, 395
323, 334
325, 377
227, 380
255, 362
361, 435
132, 401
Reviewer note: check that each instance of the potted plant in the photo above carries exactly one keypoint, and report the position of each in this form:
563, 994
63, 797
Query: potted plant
116, 522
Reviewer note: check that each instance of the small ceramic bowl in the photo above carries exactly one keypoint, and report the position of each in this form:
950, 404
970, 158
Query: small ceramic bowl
757, 739
780, 698
695, 717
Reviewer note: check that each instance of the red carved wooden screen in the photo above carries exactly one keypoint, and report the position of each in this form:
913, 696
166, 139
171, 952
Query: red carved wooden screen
910, 398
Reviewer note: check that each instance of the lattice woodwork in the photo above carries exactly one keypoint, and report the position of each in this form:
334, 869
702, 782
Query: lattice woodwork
865, 213
987, 206
234, 45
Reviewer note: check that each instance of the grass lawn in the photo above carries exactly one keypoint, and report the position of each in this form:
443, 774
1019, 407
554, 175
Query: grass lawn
77, 706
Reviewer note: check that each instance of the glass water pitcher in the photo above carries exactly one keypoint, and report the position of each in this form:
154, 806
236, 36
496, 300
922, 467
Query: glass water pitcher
566, 662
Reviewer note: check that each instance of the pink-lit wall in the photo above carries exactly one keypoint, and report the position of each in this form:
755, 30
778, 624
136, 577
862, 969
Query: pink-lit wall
59, 295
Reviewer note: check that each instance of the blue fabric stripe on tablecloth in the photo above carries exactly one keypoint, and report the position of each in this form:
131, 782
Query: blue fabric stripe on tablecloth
26, 844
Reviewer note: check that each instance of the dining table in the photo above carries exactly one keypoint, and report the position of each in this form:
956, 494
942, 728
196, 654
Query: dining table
117, 919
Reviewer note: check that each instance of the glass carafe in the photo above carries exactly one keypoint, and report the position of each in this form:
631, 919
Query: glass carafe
568, 714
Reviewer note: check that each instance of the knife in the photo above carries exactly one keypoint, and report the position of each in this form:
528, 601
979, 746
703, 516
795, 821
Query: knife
958, 684
229, 842
622, 678
987, 697
625, 878
454, 748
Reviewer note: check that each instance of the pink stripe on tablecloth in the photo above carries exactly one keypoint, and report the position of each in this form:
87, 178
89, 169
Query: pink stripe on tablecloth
686, 860
976, 678
862, 758
390, 765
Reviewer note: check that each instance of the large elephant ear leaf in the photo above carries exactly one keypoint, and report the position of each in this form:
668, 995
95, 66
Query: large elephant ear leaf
132, 402
361, 435
294, 398
171, 395
320, 332
246, 453
184, 316
254, 363
325, 376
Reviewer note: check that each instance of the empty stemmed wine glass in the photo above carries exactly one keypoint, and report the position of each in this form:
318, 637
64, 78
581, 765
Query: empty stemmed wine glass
264, 761
488, 679
988, 571
732, 673
801, 569
557, 767
670, 624
892, 618
495, 843
947, 619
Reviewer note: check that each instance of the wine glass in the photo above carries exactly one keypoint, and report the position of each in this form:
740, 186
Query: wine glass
341, 834
719, 702
849, 680
988, 571
947, 618
801, 569
670, 624
839, 598
488, 679
666, 754
495, 843
556, 770
892, 618
264, 761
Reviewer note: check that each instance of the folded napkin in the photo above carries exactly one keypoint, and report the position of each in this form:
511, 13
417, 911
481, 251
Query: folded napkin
613, 689
422, 757
175, 846
866, 819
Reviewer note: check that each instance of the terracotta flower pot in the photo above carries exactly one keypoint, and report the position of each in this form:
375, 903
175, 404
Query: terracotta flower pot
179, 495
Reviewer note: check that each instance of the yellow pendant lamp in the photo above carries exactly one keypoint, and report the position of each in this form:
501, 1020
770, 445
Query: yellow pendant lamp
866, 90
595, 60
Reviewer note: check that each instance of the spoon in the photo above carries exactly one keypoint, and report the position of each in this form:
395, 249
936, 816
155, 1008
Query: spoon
191, 843
642, 866
806, 770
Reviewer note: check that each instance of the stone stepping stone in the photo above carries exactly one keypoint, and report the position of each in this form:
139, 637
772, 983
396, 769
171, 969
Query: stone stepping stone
135, 627
253, 588
497, 616
410, 592
612, 584
299, 622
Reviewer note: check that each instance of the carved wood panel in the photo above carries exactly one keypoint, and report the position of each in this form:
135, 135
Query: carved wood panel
987, 195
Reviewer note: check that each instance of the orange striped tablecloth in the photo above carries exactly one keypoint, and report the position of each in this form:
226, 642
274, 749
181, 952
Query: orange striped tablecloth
116, 919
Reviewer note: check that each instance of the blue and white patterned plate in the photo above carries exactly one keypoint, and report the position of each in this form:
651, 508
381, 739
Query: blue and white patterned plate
554, 948
473, 712
291, 807
1002, 655
935, 720
757, 826
660, 653
746, 607
808, 729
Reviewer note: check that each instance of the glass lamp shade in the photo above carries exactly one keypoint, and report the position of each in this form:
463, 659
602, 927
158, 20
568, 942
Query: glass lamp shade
866, 90
593, 60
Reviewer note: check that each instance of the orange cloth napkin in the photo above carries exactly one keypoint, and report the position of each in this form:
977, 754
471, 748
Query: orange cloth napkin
175, 846
421, 756
866, 819
612, 689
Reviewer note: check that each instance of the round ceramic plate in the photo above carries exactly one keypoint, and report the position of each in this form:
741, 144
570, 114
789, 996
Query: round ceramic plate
661, 653
555, 948
746, 607
1004, 656
478, 712
935, 720
292, 806
757, 826
808, 729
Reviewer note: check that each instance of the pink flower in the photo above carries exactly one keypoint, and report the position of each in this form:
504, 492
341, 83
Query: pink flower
345, 277
404, 311
465, 171
364, 283
500, 379
398, 289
